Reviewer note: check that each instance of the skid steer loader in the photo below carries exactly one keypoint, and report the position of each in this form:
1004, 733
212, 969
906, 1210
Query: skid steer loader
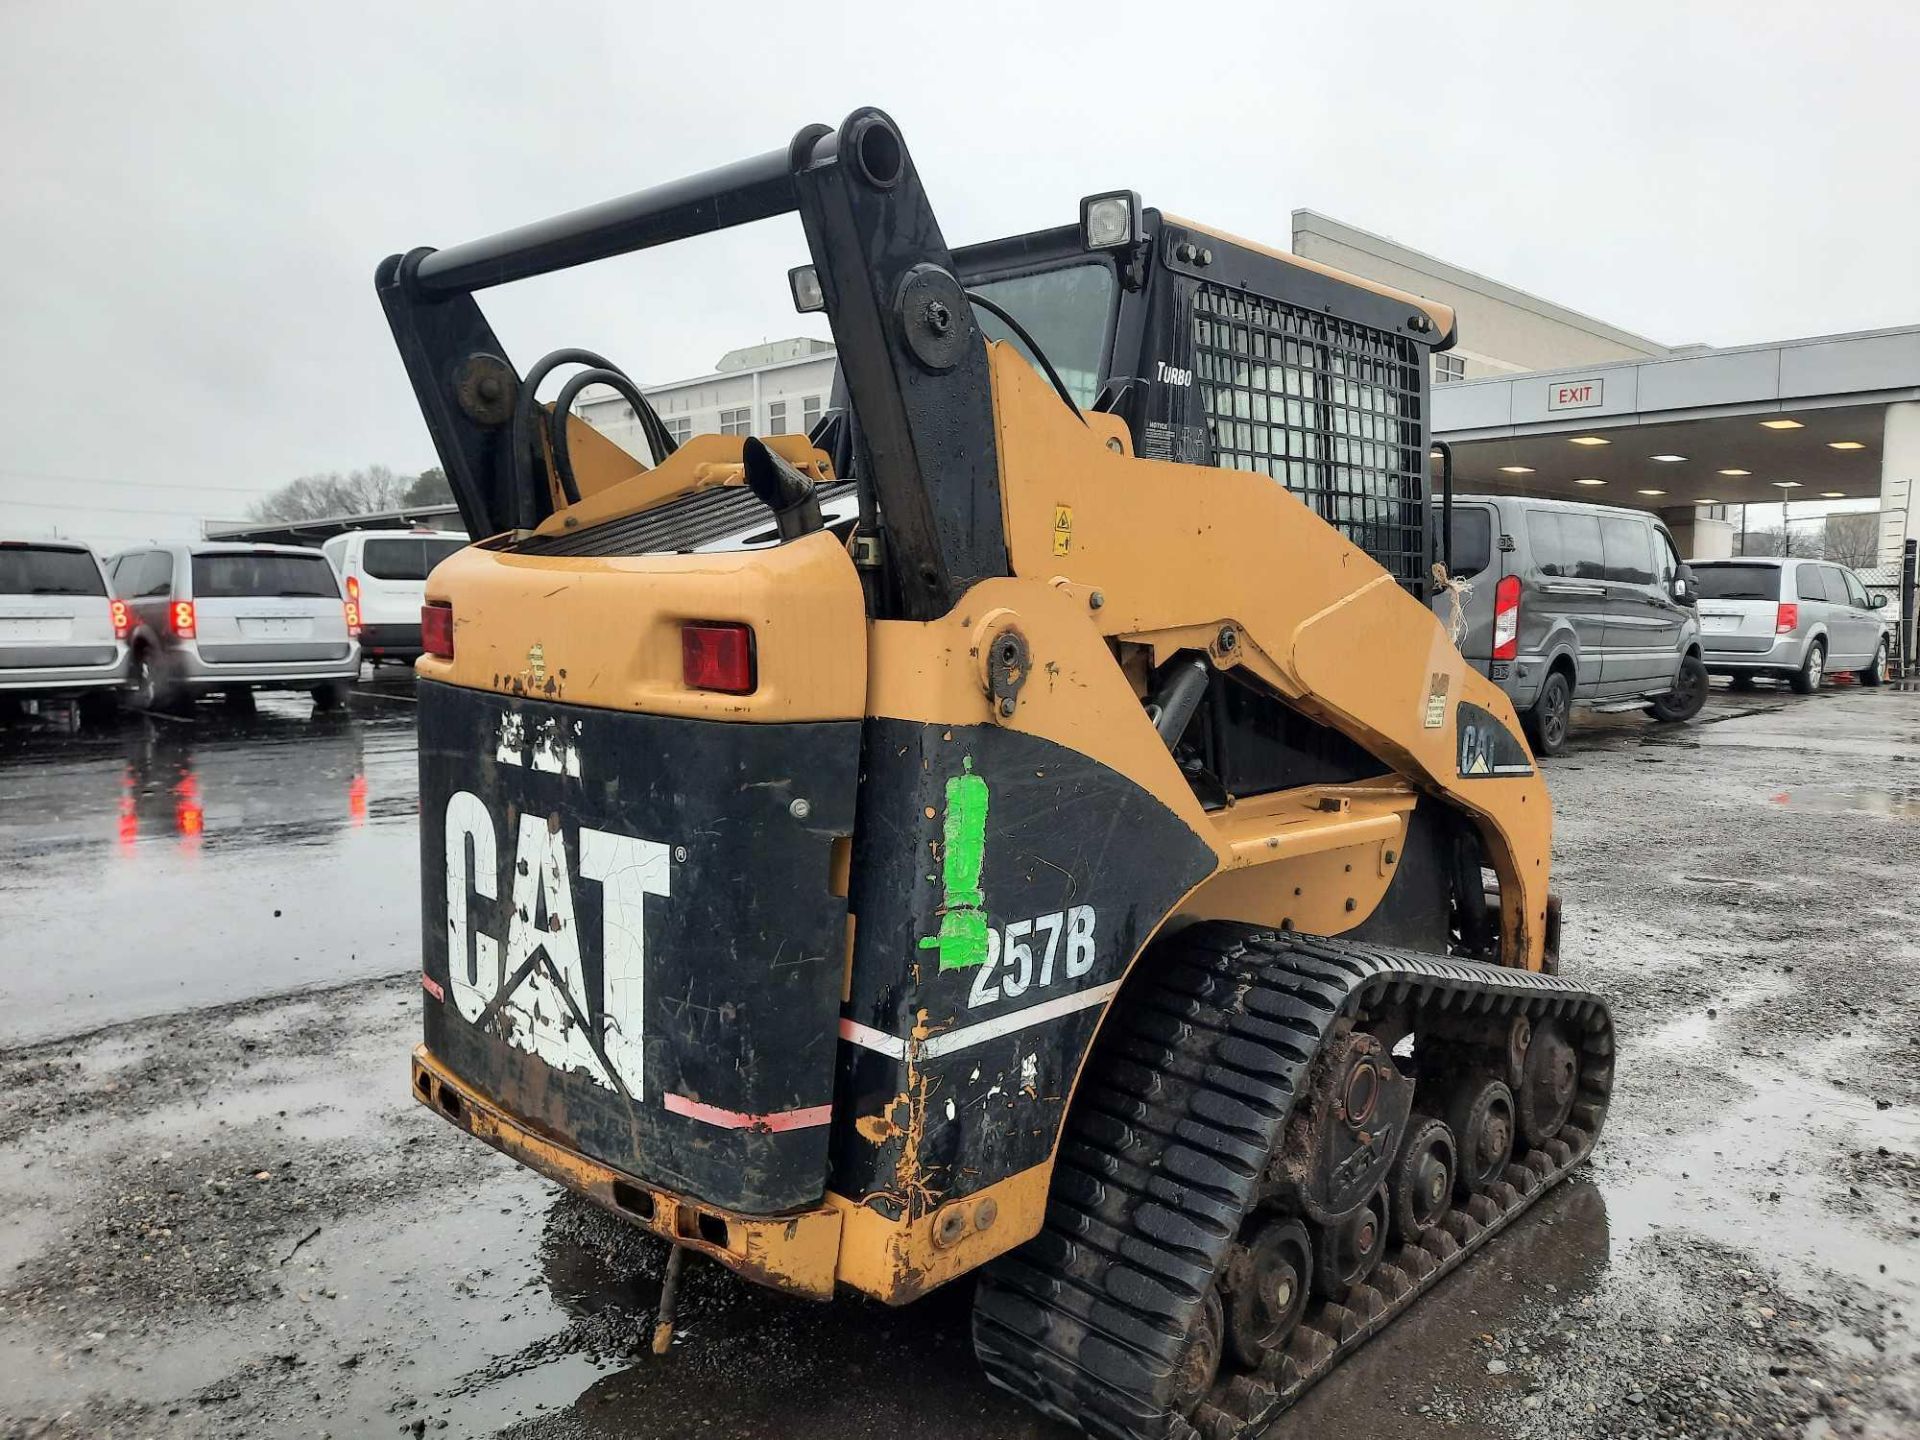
1030, 827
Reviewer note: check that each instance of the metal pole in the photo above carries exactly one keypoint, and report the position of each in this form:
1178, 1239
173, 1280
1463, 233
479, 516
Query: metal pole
714, 200
669, 1300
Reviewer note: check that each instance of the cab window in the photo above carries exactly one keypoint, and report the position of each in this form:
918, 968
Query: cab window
1856, 592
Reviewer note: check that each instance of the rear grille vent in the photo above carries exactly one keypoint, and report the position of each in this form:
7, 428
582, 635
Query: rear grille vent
678, 526
1331, 409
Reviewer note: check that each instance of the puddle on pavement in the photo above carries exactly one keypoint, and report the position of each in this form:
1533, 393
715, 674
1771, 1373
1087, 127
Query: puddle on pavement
1746, 1178
256, 824
1901, 802
1702, 1026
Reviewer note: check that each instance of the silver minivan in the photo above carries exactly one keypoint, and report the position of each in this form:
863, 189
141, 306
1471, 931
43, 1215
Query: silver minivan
1795, 619
235, 619
1567, 603
62, 634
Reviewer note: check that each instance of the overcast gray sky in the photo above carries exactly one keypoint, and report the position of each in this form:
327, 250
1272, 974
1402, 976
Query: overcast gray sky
193, 196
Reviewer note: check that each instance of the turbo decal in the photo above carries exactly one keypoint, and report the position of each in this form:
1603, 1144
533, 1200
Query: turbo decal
963, 938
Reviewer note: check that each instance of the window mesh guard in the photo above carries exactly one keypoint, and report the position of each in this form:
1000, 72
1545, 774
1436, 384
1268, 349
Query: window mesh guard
1330, 409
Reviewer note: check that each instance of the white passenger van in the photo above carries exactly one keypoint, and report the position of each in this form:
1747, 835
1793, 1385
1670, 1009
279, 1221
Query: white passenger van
385, 574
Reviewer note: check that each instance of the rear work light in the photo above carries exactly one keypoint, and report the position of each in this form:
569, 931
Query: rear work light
1506, 618
122, 622
180, 616
716, 656
352, 608
1787, 619
436, 629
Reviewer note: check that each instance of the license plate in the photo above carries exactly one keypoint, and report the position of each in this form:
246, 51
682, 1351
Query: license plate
38, 628
274, 628
1719, 624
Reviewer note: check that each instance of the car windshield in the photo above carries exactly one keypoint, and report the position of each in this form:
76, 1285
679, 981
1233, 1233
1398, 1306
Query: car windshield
412, 558
1065, 310
1738, 582
48, 570
217, 577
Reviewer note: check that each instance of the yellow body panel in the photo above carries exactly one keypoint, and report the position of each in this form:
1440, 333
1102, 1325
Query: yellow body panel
605, 630
1177, 553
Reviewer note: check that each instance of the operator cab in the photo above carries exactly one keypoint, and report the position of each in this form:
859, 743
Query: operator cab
1218, 351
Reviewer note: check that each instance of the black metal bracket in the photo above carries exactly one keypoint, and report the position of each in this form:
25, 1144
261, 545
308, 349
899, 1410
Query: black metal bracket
913, 360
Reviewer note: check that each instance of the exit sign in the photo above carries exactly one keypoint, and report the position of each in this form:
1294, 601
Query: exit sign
1573, 394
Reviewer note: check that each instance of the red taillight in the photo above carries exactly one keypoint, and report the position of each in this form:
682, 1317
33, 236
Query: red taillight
1787, 618
181, 617
353, 619
1506, 618
715, 656
436, 629
122, 622
353, 588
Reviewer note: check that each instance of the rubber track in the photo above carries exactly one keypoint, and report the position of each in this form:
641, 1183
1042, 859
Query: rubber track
1186, 1096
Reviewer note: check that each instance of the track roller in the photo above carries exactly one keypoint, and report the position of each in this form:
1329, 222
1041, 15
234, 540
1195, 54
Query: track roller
1420, 1185
1481, 1117
1266, 1283
1548, 1083
1345, 1253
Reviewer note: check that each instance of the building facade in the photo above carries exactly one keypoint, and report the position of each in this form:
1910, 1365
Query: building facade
1502, 330
776, 388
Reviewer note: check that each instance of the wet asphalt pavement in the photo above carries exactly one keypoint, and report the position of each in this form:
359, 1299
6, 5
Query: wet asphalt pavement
221, 1214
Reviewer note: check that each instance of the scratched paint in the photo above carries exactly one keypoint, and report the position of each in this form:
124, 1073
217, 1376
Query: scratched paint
962, 941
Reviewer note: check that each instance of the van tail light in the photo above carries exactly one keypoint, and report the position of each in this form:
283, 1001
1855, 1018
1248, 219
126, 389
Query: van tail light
1506, 618
1787, 619
715, 656
436, 629
353, 588
352, 608
180, 616
122, 622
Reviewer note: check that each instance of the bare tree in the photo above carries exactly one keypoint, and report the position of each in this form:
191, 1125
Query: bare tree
1781, 540
318, 497
1853, 539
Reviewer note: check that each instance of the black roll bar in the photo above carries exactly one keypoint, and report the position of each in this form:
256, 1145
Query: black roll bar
736, 194
911, 356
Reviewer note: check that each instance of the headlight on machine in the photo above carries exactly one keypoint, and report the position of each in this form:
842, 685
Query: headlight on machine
1110, 222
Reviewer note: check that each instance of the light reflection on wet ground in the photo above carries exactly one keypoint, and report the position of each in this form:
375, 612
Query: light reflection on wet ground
159, 862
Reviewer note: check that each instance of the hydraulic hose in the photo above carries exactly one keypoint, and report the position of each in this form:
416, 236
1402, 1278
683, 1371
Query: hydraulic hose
525, 481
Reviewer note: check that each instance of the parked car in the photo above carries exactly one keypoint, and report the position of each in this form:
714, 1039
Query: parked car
1798, 620
235, 619
1570, 604
62, 634
385, 573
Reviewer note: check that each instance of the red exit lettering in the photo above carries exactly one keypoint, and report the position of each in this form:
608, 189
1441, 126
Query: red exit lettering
1573, 394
